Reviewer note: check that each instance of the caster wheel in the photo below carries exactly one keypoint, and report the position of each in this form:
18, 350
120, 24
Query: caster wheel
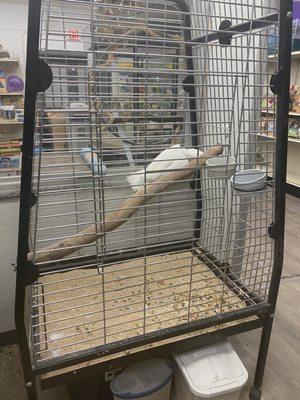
255, 394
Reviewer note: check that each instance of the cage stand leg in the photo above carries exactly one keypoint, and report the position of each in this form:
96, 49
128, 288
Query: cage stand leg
255, 394
255, 391
33, 389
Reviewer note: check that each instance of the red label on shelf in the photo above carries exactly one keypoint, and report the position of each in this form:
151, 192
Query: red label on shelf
73, 34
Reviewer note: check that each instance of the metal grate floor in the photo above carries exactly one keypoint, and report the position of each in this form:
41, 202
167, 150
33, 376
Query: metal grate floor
80, 308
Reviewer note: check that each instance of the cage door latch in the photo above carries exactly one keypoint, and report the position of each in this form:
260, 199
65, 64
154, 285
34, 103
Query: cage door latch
33, 199
273, 231
225, 37
188, 84
30, 273
275, 81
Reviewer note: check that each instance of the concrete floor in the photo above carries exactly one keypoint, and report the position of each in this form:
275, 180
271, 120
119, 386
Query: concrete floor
282, 377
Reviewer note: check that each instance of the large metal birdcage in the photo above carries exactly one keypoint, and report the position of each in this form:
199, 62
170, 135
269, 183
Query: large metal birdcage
135, 237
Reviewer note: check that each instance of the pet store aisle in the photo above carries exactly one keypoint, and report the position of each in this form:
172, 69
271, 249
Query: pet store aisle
283, 366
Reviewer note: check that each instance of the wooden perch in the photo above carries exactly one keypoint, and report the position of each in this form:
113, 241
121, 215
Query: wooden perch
126, 210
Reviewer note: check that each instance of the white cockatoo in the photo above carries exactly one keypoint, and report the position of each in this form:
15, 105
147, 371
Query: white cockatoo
173, 158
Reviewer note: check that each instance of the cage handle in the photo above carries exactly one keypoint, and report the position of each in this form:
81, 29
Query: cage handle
45, 76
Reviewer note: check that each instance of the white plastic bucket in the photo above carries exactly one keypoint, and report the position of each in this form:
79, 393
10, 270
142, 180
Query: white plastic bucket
147, 380
211, 372
221, 167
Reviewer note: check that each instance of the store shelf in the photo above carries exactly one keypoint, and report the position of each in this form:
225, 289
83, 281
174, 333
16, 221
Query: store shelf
290, 139
4, 53
293, 179
294, 54
294, 140
10, 171
294, 114
9, 61
272, 112
14, 134
8, 122
11, 94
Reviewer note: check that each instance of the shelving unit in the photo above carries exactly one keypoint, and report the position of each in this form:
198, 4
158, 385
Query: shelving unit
291, 113
295, 55
294, 140
11, 94
9, 172
290, 139
267, 142
9, 129
10, 122
9, 61
294, 180
293, 165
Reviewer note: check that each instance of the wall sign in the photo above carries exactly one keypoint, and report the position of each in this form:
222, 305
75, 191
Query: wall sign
73, 34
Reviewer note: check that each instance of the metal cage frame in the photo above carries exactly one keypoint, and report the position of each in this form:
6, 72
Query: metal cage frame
38, 79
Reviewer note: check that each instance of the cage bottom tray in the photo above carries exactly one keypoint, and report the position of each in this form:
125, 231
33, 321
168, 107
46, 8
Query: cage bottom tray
84, 308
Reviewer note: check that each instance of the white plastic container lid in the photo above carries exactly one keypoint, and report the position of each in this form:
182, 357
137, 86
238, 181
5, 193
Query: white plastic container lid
213, 370
142, 379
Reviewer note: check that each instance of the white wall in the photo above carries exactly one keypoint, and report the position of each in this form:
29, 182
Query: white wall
9, 207
13, 27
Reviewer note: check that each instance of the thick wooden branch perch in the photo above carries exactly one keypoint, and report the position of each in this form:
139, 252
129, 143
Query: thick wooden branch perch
126, 210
